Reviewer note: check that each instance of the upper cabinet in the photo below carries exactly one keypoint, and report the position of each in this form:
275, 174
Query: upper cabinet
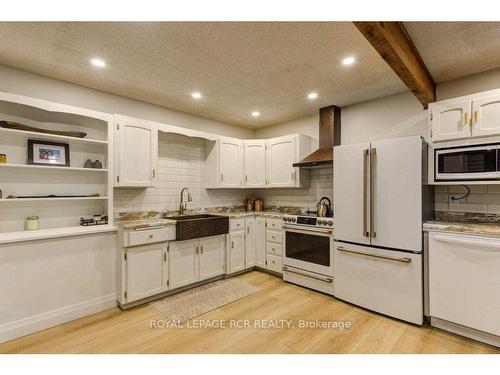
232, 163
136, 152
486, 116
255, 164
472, 116
450, 120
282, 153
224, 163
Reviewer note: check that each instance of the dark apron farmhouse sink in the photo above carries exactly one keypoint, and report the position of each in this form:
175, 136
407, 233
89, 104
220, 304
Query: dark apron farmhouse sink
197, 226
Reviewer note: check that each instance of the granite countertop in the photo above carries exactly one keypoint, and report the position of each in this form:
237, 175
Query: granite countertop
480, 229
145, 223
145, 220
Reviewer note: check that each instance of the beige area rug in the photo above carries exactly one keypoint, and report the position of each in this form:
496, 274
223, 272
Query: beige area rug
197, 301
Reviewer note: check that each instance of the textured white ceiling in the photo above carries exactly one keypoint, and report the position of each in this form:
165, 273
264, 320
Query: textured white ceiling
239, 67
456, 49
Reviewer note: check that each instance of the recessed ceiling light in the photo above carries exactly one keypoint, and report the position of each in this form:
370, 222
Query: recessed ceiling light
348, 60
196, 95
312, 95
255, 113
98, 62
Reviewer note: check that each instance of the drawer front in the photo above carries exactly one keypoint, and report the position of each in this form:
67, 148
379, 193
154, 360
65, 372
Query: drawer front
236, 224
389, 282
275, 236
147, 236
275, 263
274, 224
274, 248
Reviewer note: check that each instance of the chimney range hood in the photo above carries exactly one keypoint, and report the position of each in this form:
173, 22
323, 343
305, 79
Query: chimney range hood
329, 136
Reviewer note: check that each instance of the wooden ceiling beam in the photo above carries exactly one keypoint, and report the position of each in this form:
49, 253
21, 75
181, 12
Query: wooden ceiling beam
393, 43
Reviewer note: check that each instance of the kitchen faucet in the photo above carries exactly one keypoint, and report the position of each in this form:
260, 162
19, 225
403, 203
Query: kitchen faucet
183, 206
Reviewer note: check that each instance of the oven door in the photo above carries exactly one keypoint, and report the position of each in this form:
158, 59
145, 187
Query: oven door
309, 249
467, 163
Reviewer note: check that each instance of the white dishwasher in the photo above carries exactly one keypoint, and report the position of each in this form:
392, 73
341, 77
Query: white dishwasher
464, 285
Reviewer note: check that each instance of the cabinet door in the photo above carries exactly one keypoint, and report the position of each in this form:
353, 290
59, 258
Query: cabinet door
281, 154
450, 120
486, 116
146, 271
230, 163
260, 242
138, 153
211, 257
236, 252
183, 263
255, 164
249, 242
464, 281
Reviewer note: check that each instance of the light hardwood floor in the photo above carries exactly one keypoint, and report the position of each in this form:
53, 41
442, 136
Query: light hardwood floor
116, 331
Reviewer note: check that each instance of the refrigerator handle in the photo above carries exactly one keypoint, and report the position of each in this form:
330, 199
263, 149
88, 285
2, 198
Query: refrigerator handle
365, 187
373, 159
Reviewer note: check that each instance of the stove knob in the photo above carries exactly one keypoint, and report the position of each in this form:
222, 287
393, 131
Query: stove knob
320, 222
330, 222
294, 219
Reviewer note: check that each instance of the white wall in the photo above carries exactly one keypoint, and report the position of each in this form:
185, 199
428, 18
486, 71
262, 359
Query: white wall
24, 83
181, 164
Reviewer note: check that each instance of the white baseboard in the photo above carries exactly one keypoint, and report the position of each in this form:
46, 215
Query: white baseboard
26, 326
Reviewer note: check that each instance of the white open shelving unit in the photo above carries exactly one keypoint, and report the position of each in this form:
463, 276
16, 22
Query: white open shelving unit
59, 216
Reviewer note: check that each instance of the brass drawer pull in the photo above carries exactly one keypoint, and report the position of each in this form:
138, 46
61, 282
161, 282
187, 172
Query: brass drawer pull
396, 259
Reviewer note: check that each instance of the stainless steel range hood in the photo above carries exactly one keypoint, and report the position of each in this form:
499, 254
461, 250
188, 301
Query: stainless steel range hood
329, 136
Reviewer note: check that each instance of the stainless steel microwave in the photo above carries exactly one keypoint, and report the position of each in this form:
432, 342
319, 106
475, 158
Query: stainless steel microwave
467, 163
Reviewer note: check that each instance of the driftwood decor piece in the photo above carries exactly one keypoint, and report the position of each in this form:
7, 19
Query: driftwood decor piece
18, 126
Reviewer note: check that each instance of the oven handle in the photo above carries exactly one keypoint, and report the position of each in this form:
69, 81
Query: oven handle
326, 279
301, 230
397, 259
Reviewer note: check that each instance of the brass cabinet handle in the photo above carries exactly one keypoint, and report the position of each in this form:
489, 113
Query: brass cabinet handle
201, 250
154, 173
248, 230
232, 244
475, 117
397, 259
466, 118
164, 257
197, 250
150, 236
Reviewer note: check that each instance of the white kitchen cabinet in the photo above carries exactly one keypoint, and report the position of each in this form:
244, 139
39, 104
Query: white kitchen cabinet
211, 257
280, 157
136, 152
260, 242
183, 263
236, 251
224, 163
486, 116
249, 242
464, 283
146, 271
255, 163
450, 119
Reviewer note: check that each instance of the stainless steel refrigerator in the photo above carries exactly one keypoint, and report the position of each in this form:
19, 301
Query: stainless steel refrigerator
380, 202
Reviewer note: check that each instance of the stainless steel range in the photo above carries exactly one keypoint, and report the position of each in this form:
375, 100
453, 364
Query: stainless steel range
308, 255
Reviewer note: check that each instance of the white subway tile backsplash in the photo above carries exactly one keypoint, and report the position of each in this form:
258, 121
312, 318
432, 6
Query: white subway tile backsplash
482, 199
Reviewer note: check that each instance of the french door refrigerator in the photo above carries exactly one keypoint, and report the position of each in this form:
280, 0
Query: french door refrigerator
380, 201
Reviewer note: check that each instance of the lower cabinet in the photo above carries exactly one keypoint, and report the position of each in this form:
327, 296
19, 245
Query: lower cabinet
146, 271
236, 251
260, 242
249, 242
195, 260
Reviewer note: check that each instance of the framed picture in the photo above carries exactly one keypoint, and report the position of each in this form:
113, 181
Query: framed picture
48, 153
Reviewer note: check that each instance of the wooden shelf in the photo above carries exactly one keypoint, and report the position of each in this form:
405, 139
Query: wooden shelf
27, 235
45, 167
27, 134
17, 200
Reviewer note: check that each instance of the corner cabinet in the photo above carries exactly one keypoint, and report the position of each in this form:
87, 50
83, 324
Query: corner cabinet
136, 152
472, 116
232, 163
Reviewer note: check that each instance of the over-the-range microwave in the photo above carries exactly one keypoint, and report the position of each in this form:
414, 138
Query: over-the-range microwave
467, 163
